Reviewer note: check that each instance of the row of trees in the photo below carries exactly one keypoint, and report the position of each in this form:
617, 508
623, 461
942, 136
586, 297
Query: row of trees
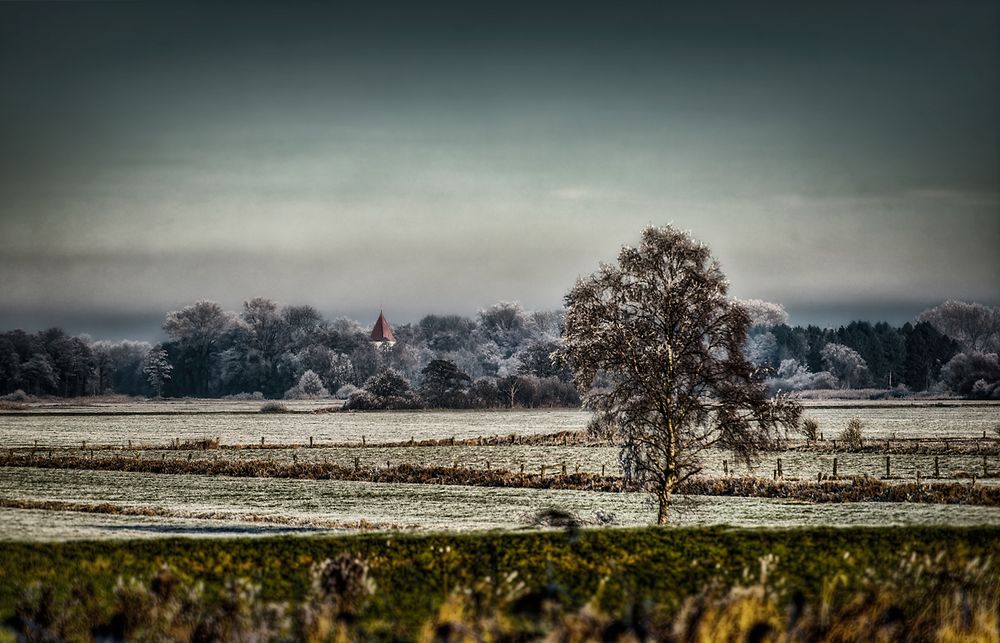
266, 348
951, 347
500, 357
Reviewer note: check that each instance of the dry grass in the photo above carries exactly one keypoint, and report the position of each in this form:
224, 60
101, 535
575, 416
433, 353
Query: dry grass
856, 489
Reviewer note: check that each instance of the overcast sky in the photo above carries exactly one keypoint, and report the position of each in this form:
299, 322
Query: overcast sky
840, 159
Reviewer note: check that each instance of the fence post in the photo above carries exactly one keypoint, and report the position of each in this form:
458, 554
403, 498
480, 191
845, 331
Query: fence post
310, 441
602, 470
564, 469
835, 468
262, 441
362, 440
781, 474
357, 463
725, 467
887, 471
522, 468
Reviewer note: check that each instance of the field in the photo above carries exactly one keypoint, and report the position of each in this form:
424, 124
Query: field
53, 503
74, 520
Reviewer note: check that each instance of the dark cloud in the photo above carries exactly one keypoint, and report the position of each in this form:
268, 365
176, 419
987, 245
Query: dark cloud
842, 159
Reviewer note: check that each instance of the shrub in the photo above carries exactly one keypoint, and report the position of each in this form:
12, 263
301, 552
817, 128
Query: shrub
345, 391
853, 435
310, 387
387, 390
17, 396
810, 429
273, 407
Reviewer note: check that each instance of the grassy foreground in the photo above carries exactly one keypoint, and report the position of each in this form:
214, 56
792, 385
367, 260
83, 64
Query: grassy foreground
423, 583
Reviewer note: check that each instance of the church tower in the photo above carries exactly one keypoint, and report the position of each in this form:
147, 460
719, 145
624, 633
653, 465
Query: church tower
382, 336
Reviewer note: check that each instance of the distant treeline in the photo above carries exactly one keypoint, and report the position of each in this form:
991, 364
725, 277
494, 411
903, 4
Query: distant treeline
500, 357
949, 348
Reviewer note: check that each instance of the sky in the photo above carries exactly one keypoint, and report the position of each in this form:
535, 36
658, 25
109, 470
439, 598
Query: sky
842, 159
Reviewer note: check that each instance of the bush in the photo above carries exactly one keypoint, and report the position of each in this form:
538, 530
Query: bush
310, 387
387, 390
273, 407
853, 435
17, 396
345, 391
810, 429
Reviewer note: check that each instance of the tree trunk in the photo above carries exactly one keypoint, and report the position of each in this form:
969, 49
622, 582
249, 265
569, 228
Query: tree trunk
663, 497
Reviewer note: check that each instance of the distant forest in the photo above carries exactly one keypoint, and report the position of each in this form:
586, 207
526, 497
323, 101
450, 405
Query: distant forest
500, 357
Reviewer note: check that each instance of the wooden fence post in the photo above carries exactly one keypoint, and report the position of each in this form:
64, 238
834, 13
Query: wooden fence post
937, 469
887, 471
835, 468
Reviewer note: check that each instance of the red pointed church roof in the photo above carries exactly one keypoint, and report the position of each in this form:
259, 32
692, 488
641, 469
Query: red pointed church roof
382, 332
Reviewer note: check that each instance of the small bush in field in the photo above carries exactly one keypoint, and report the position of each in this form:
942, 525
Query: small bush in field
273, 407
810, 429
853, 436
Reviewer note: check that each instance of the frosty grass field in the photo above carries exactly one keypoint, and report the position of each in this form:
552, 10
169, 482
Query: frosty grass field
210, 506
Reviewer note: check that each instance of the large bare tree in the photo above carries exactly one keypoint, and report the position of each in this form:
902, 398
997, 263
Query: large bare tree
659, 336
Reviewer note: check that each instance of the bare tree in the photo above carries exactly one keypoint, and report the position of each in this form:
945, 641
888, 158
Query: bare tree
198, 329
975, 326
659, 326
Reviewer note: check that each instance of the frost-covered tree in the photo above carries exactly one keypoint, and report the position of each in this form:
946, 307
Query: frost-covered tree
762, 349
973, 375
10, 366
506, 324
38, 374
198, 330
310, 386
975, 326
443, 385
845, 364
387, 389
764, 314
794, 376
659, 326
158, 369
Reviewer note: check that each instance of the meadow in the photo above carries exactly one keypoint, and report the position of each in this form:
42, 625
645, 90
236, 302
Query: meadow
83, 471
676, 584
